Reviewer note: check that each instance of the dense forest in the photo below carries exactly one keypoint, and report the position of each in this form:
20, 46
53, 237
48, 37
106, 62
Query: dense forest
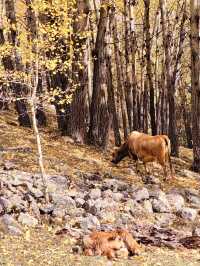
104, 66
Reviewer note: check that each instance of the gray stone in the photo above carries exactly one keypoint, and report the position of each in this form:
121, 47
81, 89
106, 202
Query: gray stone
196, 231
117, 196
17, 204
188, 213
27, 219
115, 185
164, 219
63, 200
89, 223
160, 205
8, 225
107, 193
151, 180
190, 174
46, 209
95, 193
6, 204
159, 201
106, 204
14, 231
141, 194
176, 201
35, 209
156, 192
193, 196
79, 202
8, 165
134, 208
36, 193
75, 212
107, 217
147, 206
58, 213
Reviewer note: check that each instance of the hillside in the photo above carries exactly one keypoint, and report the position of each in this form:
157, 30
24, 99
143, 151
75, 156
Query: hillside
90, 168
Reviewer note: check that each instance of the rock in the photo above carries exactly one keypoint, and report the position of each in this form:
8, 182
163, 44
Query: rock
93, 177
160, 205
164, 219
117, 196
63, 200
79, 202
196, 231
156, 192
141, 194
107, 217
176, 201
8, 225
77, 249
8, 166
89, 223
190, 174
75, 212
14, 231
147, 206
35, 209
115, 185
95, 193
17, 204
150, 180
58, 213
1, 210
46, 209
107, 193
188, 213
134, 208
88, 204
106, 204
159, 201
5, 204
62, 181
193, 196
27, 219
122, 253
36, 193
125, 219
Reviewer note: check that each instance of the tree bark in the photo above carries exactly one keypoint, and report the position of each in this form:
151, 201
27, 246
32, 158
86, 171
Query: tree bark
98, 129
149, 66
195, 79
170, 88
10, 64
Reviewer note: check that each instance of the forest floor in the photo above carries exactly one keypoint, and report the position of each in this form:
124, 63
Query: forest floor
40, 246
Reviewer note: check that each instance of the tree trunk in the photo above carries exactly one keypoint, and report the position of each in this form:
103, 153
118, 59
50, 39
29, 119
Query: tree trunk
80, 75
120, 82
32, 34
10, 64
111, 93
170, 88
195, 79
98, 129
149, 66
